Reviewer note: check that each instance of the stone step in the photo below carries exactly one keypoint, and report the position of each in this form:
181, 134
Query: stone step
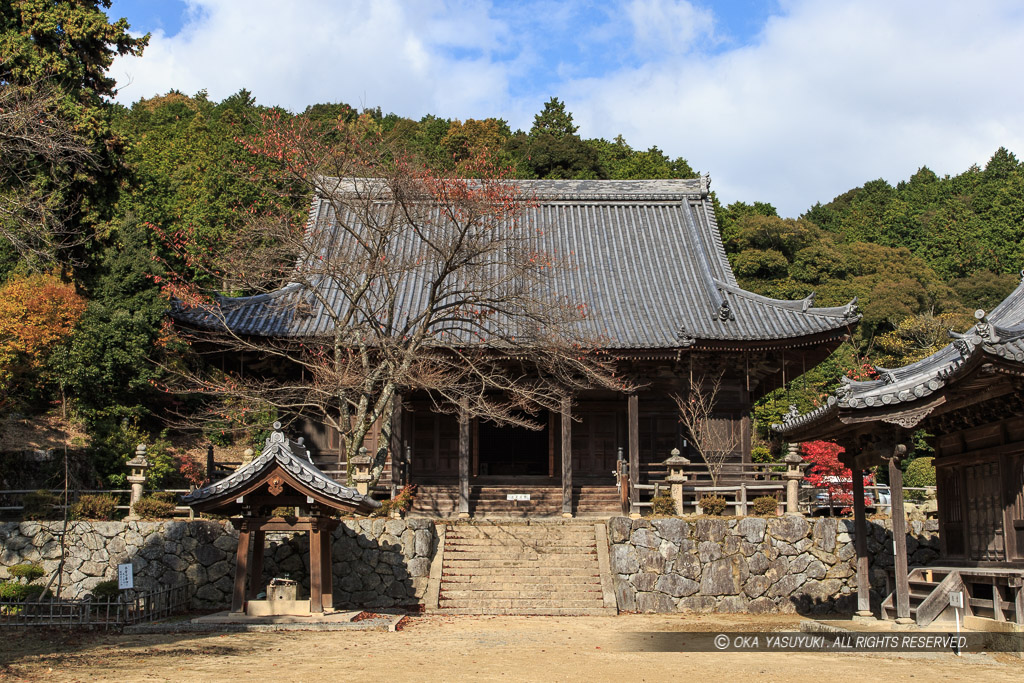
474, 569
514, 603
498, 552
524, 580
531, 611
499, 563
518, 594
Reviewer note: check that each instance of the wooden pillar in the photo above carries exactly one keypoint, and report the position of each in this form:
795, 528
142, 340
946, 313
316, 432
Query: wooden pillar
326, 570
566, 410
241, 568
316, 568
899, 534
395, 443
634, 450
860, 531
258, 549
463, 463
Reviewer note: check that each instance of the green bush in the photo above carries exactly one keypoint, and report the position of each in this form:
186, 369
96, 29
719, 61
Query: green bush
761, 453
766, 506
920, 472
40, 505
106, 590
664, 505
95, 506
713, 505
156, 506
12, 590
30, 571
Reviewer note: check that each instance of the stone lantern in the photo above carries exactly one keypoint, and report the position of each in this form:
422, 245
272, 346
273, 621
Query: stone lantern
676, 477
794, 473
361, 471
138, 466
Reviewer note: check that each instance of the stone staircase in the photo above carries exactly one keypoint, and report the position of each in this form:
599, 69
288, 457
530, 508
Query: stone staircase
533, 567
492, 501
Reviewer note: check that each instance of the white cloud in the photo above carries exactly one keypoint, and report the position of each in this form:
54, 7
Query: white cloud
384, 53
831, 94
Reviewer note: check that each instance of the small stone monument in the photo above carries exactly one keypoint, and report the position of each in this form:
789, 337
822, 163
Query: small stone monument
794, 473
361, 471
676, 477
138, 466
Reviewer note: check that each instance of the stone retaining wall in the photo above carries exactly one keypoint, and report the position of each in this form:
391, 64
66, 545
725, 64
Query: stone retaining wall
752, 564
377, 563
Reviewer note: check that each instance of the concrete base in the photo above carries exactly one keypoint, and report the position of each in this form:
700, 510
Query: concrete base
864, 617
270, 608
329, 617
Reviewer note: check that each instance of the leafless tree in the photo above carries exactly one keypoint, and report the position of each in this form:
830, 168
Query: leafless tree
38, 145
714, 436
408, 280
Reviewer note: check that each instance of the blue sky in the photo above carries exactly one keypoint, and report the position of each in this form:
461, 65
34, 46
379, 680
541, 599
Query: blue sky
788, 101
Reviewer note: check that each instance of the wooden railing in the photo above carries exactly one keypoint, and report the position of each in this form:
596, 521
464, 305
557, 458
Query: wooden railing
130, 607
11, 499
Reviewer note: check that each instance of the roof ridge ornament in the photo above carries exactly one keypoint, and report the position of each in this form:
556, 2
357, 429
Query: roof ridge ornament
686, 340
851, 309
984, 328
725, 311
276, 436
808, 302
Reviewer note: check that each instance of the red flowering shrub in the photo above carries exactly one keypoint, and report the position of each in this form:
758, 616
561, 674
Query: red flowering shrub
828, 473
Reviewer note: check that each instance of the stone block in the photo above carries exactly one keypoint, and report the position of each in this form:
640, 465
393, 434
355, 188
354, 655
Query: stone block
645, 538
786, 585
697, 603
733, 604
800, 562
789, 528
721, 577
687, 565
651, 560
625, 595
824, 534
752, 529
419, 566
758, 563
671, 529
756, 585
644, 581
762, 606
654, 602
623, 559
711, 529
676, 586
175, 562
209, 554
709, 551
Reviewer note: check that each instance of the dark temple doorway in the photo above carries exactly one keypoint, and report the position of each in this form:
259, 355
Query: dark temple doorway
513, 451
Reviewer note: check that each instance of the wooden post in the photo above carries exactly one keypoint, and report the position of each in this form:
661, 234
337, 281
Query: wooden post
326, 570
634, 450
566, 457
742, 503
860, 531
241, 568
256, 576
394, 444
899, 534
463, 463
316, 568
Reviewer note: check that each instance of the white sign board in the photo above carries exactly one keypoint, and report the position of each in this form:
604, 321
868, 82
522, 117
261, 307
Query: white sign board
125, 576
517, 496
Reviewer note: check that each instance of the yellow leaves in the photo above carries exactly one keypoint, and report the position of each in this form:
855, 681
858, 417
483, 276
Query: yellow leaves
36, 311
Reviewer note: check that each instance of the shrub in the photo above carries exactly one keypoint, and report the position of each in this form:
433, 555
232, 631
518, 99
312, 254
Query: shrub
12, 590
156, 506
663, 504
401, 503
94, 506
106, 590
40, 505
766, 506
713, 505
920, 472
30, 571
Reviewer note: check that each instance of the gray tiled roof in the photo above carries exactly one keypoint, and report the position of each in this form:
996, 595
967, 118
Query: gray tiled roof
294, 458
999, 334
647, 259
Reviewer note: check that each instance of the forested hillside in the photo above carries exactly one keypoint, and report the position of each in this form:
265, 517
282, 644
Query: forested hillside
93, 195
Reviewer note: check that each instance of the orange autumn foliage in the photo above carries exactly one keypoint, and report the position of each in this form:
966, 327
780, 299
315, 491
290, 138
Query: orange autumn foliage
36, 311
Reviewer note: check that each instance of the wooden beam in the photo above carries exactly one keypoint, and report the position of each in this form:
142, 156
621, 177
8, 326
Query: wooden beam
633, 428
327, 571
566, 410
241, 570
316, 570
860, 531
463, 463
258, 550
899, 534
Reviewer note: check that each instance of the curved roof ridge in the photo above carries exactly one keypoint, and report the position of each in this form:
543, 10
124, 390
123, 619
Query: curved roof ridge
849, 311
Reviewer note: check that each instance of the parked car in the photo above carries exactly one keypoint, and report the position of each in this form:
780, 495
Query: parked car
841, 497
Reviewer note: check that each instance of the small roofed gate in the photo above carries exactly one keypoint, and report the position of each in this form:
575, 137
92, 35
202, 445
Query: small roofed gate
282, 476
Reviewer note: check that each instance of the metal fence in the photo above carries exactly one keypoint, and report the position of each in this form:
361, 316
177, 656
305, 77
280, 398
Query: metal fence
130, 607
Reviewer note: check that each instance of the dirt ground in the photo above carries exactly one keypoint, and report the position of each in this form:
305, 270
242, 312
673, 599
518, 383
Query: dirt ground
436, 648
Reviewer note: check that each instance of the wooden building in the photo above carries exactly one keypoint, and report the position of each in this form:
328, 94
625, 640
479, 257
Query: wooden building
649, 262
970, 397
